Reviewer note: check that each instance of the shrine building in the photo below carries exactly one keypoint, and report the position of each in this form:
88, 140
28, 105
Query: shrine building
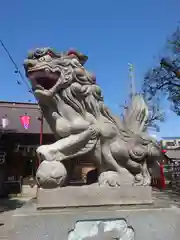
22, 130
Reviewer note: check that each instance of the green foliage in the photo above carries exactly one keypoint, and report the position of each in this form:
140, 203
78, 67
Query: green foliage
164, 79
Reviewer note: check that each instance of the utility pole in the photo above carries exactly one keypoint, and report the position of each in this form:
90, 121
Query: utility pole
132, 81
132, 88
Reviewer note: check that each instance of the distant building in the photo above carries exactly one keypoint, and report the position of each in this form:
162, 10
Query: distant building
172, 147
21, 125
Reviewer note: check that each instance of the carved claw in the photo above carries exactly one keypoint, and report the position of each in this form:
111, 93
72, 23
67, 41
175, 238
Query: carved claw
147, 181
141, 180
94, 130
110, 183
109, 178
138, 180
113, 182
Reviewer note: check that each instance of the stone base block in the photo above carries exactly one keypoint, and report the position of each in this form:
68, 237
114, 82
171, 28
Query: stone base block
97, 224
93, 196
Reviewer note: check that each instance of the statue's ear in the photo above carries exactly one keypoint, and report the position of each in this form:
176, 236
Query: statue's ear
81, 57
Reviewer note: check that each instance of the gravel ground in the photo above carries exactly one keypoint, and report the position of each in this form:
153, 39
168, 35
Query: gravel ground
167, 196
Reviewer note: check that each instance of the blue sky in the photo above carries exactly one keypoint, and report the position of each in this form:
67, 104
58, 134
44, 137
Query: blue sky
111, 33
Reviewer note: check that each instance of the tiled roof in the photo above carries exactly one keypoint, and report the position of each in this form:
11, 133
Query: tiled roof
173, 153
170, 138
13, 111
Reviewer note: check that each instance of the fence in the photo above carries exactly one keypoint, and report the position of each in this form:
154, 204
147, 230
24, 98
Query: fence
171, 174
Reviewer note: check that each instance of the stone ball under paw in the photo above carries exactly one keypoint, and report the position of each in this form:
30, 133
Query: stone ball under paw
51, 174
109, 178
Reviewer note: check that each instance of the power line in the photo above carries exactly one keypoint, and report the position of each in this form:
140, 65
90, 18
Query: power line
17, 70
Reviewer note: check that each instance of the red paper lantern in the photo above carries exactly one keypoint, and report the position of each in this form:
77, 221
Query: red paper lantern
25, 121
164, 151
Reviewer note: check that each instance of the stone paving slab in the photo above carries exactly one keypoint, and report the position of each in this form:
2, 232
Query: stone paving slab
5, 224
7, 207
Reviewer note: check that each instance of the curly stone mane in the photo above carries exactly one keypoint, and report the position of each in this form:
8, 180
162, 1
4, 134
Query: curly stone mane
82, 93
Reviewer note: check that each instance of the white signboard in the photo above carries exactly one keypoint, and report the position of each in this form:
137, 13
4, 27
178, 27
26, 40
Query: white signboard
4, 122
102, 230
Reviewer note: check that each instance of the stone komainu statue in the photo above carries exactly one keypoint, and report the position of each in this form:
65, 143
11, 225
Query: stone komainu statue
72, 103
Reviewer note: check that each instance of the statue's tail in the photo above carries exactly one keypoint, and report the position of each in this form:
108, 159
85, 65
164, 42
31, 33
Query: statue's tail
136, 115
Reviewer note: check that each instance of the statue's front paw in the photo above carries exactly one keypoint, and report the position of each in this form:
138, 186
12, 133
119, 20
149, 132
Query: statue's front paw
109, 178
43, 153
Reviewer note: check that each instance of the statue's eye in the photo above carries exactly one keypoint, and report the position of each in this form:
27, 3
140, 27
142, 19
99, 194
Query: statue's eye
41, 59
45, 58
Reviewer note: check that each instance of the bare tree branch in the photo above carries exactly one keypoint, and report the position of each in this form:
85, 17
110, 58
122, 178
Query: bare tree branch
164, 80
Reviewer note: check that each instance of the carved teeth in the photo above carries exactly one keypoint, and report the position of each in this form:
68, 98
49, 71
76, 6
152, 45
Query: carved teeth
39, 87
56, 69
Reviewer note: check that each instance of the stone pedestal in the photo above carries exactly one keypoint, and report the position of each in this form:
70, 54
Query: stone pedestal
92, 213
102, 223
93, 196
